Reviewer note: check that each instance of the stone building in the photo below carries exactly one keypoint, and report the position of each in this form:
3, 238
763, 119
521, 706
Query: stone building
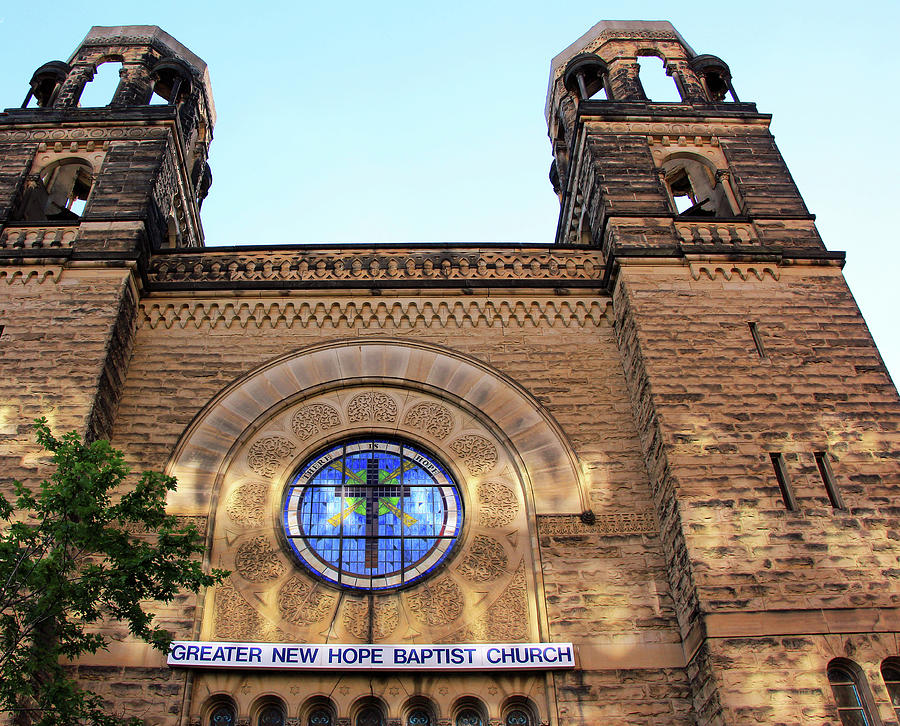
664, 444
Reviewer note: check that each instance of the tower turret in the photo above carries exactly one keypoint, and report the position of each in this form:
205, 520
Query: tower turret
140, 159
753, 379
635, 172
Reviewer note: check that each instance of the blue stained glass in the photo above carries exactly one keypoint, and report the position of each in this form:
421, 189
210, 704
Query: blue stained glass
372, 514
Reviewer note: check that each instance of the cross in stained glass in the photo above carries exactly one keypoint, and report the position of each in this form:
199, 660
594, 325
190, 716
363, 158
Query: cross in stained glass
373, 496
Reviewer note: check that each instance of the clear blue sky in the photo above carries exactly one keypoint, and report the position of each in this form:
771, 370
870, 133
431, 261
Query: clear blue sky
421, 122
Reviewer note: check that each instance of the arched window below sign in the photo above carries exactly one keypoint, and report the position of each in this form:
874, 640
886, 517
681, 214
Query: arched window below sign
222, 715
419, 717
271, 715
469, 716
319, 716
370, 716
517, 717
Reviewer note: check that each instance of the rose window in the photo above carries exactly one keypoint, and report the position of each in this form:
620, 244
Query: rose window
372, 514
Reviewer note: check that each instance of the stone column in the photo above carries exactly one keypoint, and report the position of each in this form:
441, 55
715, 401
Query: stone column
74, 84
135, 87
625, 82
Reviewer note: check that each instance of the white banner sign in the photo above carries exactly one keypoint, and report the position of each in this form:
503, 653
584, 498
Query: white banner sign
505, 656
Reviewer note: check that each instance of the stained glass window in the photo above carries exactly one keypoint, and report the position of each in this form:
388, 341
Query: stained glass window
319, 717
517, 717
370, 716
271, 716
468, 717
222, 716
418, 717
372, 514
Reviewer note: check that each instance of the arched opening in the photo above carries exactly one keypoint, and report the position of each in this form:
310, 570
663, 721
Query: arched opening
586, 77
45, 84
715, 76
171, 82
173, 233
100, 90
220, 713
59, 193
369, 713
850, 693
519, 712
269, 713
890, 672
658, 85
470, 713
419, 712
318, 712
695, 188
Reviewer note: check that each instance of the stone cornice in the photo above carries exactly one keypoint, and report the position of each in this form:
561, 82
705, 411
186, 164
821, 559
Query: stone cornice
388, 267
377, 313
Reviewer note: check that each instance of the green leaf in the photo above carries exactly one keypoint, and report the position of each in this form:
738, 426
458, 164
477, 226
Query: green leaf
73, 555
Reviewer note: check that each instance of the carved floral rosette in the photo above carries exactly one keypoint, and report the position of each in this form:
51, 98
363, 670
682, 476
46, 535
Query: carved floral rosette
270, 594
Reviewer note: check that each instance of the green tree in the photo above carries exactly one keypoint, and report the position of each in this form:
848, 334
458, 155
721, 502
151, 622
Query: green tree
80, 549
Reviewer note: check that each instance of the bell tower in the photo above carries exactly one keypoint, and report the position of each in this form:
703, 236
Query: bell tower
136, 167
87, 195
767, 418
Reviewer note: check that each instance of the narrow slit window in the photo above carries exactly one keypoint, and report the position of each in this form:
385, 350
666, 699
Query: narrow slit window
784, 483
757, 341
834, 495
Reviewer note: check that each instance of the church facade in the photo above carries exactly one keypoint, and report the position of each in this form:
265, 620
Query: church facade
645, 474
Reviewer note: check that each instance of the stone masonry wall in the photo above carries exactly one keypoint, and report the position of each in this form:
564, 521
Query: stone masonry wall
62, 329
600, 588
780, 679
711, 410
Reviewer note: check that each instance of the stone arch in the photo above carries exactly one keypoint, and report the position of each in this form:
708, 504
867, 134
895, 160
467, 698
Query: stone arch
696, 179
545, 457
509, 457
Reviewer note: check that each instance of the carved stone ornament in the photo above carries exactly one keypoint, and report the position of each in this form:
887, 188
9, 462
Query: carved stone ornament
432, 418
584, 312
479, 454
505, 621
235, 617
485, 560
257, 561
247, 504
499, 505
386, 617
314, 418
372, 406
199, 521
266, 454
438, 603
301, 602
507, 617
605, 525
321, 265
44, 238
